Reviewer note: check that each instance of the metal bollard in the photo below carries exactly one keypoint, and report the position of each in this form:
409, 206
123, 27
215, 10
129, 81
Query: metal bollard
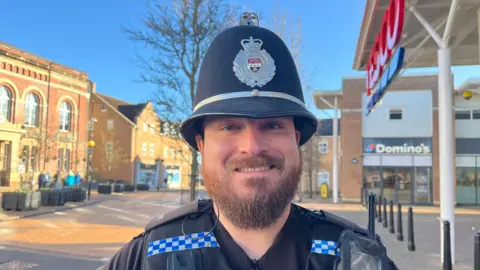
447, 252
376, 207
476, 251
399, 223
380, 209
385, 220
411, 238
391, 228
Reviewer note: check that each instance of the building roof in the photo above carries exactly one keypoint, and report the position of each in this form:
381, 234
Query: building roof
130, 111
325, 127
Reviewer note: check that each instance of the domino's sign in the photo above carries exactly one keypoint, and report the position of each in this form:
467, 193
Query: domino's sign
413, 146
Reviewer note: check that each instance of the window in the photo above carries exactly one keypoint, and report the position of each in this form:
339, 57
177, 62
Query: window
476, 114
67, 160
323, 147
65, 116
165, 129
144, 149
6, 155
395, 114
25, 158
60, 159
322, 178
110, 124
33, 157
31, 110
462, 115
144, 126
5, 102
152, 129
152, 149
108, 150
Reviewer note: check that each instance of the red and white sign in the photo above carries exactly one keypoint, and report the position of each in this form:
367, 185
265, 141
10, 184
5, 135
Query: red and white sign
385, 43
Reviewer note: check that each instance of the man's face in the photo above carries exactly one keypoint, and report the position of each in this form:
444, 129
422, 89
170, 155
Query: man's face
251, 167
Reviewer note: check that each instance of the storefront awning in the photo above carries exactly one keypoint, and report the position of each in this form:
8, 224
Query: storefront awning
420, 48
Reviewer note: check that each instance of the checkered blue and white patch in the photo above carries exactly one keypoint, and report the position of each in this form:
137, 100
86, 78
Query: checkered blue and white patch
177, 243
325, 247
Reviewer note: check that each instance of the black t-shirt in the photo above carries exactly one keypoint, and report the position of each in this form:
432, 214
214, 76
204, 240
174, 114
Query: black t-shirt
290, 249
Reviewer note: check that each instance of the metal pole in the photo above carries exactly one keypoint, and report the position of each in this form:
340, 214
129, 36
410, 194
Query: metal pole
90, 154
445, 119
335, 150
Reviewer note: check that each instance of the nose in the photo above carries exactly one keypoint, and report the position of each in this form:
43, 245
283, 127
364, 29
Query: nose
252, 141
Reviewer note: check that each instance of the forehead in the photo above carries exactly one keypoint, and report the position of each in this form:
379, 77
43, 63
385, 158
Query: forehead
220, 119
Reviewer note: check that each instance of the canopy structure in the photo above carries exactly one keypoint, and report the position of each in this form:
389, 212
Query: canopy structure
420, 48
436, 33
472, 85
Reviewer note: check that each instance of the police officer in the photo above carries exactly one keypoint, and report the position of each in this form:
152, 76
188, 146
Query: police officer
248, 122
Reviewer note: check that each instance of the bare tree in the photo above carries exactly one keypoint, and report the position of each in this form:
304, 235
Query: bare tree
39, 145
291, 33
177, 36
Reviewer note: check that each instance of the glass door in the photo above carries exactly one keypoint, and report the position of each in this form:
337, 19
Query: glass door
389, 178
423, 185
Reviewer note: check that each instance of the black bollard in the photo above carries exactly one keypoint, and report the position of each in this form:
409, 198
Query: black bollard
376, 209
447, 252
380, 209
476, 251
385, 220
399, 223
371, 218
411, 238
391, 228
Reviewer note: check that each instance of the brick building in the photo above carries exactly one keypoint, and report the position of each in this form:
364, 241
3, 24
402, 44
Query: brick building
395, 150
132, 144
42, 117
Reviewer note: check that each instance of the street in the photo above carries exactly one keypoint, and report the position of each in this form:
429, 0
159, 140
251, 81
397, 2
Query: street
84, 238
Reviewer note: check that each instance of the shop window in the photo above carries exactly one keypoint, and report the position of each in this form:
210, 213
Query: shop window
395, 114
466, 190
423, 185
371, 178
462, 115
323, 147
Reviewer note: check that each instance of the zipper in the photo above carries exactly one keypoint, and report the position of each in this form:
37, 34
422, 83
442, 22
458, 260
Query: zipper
255, 265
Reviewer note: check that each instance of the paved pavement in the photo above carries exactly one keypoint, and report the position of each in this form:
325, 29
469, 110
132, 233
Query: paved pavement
87, 236
427, 240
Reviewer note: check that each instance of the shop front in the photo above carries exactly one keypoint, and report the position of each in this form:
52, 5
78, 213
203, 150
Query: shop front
399, 169
468, 171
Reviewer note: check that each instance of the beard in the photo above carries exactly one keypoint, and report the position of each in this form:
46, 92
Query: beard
266, 205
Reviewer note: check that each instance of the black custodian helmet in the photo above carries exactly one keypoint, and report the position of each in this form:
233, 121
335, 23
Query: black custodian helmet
248, 72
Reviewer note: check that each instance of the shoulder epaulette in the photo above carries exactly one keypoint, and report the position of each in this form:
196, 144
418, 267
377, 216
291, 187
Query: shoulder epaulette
188, 209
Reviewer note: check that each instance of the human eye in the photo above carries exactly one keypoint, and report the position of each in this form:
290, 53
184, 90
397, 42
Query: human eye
228, 127
273, 125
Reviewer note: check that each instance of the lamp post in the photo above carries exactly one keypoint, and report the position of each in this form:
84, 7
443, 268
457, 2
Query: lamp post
91, 144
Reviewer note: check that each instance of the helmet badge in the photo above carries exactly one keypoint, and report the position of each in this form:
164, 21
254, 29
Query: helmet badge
253, 65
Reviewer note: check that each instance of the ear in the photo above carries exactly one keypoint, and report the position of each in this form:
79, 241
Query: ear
200, 143
297, 136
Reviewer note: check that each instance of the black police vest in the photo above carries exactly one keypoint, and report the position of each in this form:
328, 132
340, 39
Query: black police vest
186, 234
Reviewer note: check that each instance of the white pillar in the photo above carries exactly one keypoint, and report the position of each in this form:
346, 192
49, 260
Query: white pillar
445, 119
335, 151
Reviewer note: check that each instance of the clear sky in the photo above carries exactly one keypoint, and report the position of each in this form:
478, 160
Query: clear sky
87, 35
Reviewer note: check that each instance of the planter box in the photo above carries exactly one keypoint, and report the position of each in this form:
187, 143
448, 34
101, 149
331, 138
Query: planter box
57, 198
79, 194
35, 201
44, 195
118, 188
143, 187
68, 194
128, 188
20, 201
105, 189
9, 200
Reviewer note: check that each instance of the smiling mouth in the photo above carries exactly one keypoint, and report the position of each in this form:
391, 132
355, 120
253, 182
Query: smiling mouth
256, 169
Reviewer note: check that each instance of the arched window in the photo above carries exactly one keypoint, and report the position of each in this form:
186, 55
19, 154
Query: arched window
5, 102
31, 110
65, 116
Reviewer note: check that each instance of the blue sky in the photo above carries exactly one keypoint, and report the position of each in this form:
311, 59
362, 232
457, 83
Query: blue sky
87, 35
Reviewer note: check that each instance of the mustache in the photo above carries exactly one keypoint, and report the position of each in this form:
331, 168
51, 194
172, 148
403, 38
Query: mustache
256, 161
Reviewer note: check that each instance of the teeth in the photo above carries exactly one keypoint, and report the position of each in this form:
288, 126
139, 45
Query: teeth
254, 169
